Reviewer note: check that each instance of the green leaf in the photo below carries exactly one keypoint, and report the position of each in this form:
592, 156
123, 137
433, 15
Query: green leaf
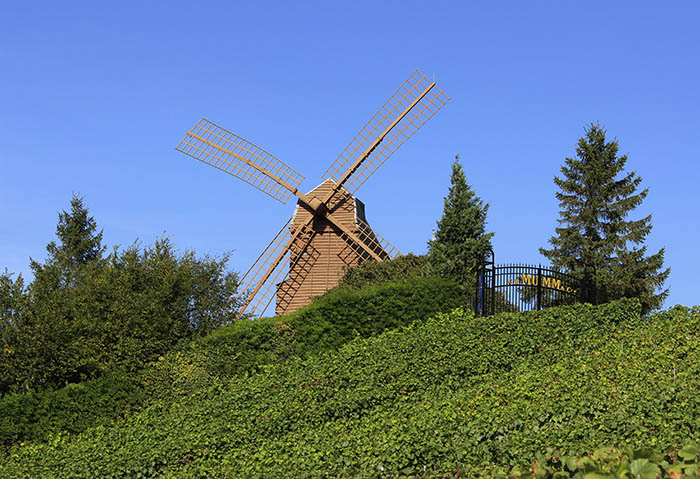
689, 452
569, 462
643, 469
598, 475
642, 453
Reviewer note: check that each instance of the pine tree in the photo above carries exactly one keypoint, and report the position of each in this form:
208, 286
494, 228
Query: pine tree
461, 241
64, 344
80, 244
595, 240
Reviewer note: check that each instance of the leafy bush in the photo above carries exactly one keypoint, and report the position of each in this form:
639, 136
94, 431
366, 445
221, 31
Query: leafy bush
345, 313
372, 272
85, 314
642, 463
121, 314
329, 322
433, 399
243, 347
72, 409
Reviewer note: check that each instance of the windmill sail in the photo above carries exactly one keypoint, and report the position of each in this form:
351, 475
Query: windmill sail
222, 149
414, 103
369, 242
285, 251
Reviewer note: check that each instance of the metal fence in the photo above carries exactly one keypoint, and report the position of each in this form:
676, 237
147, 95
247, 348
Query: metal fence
521, 287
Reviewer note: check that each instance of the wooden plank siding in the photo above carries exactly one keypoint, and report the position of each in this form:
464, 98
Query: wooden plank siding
325, 257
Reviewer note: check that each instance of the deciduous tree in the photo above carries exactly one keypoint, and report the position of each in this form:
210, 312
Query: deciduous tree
85, 314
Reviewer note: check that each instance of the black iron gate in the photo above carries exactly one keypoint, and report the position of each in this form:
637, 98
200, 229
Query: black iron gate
521, 287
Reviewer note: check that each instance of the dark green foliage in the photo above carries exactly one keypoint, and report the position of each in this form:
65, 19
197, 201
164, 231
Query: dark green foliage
85, 314
157, 294
124, 312
80, 244
604, 463
244, 347
44, 349
325, 325
595, 236
461, 241
438, 398
399, 268
72, 409
344, 313
14, 302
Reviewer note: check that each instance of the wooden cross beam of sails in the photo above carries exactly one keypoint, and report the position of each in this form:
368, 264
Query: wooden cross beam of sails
328, 231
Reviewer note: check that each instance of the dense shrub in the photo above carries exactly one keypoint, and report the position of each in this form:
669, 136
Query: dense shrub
329, 322
345, 313
85, 314
604, 463
121, 313
242, 347
372, 272
450, 394
72, 409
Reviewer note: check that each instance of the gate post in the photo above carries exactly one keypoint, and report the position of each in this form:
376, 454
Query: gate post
539, 287
479, 296
485, 282
492, 289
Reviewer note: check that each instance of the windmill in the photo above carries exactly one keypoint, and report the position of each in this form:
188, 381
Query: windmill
328, 230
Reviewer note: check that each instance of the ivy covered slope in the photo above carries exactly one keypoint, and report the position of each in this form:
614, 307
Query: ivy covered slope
242, 347
450, 395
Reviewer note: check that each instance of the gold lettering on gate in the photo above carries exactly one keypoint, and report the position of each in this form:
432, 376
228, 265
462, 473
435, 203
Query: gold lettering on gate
547, 282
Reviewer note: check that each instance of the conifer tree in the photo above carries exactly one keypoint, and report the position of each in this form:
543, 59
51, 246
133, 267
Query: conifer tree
595, 240
460, 241
59, 342
79, 244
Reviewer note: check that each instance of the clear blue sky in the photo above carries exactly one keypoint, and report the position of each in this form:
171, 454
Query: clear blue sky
95, 95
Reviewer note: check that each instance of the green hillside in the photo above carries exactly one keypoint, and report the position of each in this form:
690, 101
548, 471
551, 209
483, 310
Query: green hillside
241, 348
449, 395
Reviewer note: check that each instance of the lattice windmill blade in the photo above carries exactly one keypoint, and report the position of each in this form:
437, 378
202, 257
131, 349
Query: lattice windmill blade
289, 247
215, 146
299, 270
365, 241
414, 103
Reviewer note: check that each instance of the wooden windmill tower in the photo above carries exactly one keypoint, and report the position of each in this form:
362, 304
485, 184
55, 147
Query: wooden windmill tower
328, 231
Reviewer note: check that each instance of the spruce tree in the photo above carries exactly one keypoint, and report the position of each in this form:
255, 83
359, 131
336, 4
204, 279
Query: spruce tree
64, 339
595, 240
460, 241
79, 244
